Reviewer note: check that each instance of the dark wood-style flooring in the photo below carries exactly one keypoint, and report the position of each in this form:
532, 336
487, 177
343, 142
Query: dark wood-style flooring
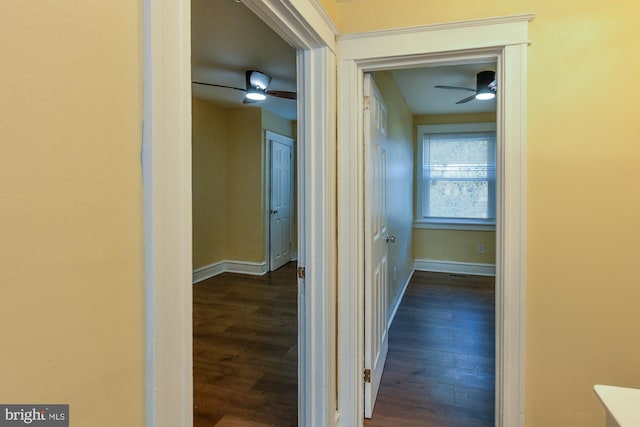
439, 370
440, 367
245, 350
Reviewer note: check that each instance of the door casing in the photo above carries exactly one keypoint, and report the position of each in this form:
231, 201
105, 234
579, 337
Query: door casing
166, 170
503, 40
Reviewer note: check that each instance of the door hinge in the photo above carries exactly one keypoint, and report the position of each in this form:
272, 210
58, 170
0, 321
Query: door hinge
367, 102
301, 272
367, 375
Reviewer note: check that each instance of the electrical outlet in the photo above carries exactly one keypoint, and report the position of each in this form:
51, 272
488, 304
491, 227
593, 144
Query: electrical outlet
480, 248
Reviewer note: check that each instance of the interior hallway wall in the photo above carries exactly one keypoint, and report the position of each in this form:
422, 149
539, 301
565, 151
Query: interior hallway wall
582, 167
399, 184
229, 181
209, 162
71, 251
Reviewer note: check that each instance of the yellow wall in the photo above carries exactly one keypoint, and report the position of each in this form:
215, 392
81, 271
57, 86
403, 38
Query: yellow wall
453, 245
331, 6
71, 251
583, 155
277, 124
245, 195
229, 181
399, 147
209, 154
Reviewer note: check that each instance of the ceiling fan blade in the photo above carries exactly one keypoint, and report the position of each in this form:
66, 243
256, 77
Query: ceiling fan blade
283, 94
454, 88
214, 85
248, 101
467, 99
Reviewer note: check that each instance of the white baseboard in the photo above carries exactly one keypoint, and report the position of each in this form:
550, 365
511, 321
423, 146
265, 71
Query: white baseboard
398, 300
471, 268
229, 266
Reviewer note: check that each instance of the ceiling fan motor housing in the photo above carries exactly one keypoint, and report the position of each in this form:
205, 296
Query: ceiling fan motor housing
484, 79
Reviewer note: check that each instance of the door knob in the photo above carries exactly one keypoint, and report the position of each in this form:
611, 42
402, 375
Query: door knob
390, 238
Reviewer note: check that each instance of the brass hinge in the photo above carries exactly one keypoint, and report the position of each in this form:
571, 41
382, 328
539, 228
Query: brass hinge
367, 375
301, 272
367, 102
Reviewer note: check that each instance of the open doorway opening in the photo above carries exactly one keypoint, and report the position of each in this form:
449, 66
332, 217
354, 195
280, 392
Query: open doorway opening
504, 40
430, 213
167, 178
245, 299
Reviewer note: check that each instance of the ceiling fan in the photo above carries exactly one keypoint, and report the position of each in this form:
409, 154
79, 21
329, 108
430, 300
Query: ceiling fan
486, 87
255, 90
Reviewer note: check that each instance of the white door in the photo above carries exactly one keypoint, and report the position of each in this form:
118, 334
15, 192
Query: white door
281, 200
376, 265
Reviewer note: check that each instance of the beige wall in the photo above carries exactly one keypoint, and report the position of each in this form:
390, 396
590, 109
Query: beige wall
453, 245
229, 182
71, 210
274, 123
582, 209
245, 197
399, 182
71, 251
209, 153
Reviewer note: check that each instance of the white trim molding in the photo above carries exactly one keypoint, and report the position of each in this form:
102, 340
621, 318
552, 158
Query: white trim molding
229, 266
166, 164
505, 41
455, 267
166, 159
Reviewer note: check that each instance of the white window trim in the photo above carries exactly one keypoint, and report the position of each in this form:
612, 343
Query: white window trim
445, 224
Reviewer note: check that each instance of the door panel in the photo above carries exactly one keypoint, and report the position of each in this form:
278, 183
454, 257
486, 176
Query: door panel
376, 254
281, 195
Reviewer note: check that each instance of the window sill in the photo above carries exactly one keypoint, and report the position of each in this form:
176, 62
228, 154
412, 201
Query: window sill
443, 225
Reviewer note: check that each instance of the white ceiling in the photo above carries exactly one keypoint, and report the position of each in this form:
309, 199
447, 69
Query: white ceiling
227, 39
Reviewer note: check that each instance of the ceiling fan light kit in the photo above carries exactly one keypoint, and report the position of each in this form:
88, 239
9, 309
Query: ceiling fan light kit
256, 94
486, 87
484, 79
256, 84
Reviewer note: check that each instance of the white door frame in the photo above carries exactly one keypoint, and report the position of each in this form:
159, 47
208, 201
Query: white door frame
504, 40
268, 136
166, 163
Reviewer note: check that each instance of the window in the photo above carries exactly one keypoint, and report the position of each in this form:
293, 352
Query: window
457, 181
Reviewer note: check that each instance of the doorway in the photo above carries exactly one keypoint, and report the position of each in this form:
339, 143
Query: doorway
504, 41
453, 231
166, 162
244, 314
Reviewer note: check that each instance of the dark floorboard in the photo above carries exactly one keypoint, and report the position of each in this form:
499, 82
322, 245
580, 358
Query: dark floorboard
439, 370
245, 350
440, 367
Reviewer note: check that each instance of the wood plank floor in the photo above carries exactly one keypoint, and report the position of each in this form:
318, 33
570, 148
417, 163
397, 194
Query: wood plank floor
245, 350
439, 371
440, 367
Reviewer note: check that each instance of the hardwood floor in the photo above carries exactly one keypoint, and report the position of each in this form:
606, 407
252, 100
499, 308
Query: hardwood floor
440, 367
439, 371
245, 350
